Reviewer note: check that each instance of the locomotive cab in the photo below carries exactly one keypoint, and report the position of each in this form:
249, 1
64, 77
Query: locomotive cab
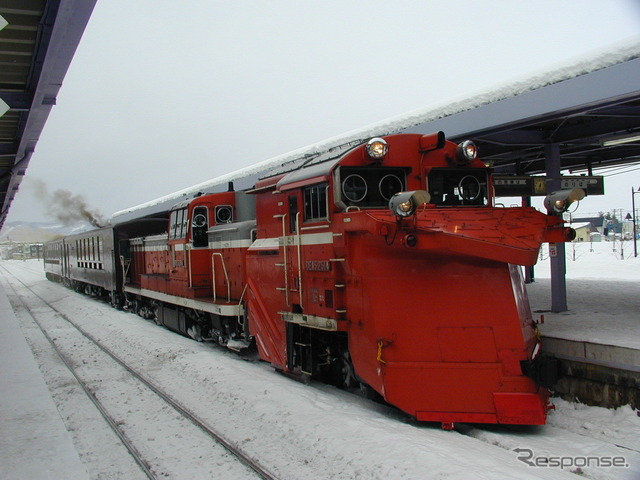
189, 264
191, 278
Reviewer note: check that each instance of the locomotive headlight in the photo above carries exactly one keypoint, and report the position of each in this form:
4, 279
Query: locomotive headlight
466, 152
377, 148
405, 204
405, 208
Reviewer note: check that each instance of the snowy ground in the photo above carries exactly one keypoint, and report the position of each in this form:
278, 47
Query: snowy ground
603, 295
316, 431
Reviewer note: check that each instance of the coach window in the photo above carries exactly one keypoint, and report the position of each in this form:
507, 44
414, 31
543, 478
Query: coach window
172, 224
179, 215
185, 223
199, 227
315, 203
178, 223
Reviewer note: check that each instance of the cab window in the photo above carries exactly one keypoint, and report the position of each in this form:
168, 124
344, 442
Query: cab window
177, 224
451, 187
315, 203
370, 187
199, 227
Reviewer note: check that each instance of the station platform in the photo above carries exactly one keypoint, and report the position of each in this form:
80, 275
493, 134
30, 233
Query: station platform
597, 340
34, 442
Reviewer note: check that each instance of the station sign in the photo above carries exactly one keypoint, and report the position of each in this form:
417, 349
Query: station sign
532, 186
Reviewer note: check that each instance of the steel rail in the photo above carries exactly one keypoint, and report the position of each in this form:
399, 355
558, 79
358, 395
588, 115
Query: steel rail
244, 458
133, 451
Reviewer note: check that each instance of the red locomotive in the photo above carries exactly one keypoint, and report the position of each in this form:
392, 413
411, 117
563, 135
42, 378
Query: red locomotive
384, 267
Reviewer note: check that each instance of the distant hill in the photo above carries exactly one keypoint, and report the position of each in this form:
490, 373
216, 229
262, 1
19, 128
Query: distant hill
38, 232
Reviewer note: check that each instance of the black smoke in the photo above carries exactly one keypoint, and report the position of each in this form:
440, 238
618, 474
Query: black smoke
66, 207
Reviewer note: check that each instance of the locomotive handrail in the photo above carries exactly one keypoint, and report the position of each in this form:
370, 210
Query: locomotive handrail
326, 198
354, 207
315, 227
189, 270
241, 322
125, 268
298, 244
284, 250
213, 271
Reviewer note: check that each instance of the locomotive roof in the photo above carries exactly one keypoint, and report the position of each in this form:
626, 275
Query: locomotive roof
312, 171
603, 78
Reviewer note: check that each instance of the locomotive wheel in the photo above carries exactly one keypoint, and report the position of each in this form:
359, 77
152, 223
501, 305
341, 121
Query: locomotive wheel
369, 393
194, 332
347, 377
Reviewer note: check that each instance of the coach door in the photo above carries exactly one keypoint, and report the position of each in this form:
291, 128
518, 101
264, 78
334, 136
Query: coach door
65, 259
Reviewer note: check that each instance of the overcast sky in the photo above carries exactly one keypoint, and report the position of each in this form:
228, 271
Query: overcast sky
162, 95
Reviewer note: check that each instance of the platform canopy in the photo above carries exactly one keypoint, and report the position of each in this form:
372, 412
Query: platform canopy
586, 113
38, 39
590, 110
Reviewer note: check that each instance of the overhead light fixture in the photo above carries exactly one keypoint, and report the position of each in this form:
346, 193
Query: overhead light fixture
620, 140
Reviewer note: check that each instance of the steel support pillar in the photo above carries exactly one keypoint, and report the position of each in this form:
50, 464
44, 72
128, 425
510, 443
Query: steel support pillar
529, 272
558, 260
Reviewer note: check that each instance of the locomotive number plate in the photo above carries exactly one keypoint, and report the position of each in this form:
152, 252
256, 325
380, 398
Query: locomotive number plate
318, 266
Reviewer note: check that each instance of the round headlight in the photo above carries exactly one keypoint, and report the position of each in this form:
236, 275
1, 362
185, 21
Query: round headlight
560, 201
559, 205
405, 208
405, 204
466, 151
377, 148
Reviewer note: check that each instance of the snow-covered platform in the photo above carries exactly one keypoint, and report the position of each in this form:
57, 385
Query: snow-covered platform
34, 442
598, 338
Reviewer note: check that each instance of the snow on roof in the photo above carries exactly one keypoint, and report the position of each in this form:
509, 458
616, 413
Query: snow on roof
244, 178
576, 226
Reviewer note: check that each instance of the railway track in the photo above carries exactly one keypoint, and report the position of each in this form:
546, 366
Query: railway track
574, 442
123, 395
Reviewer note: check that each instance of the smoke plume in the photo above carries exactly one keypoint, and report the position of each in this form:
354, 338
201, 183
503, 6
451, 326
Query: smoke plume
66, 207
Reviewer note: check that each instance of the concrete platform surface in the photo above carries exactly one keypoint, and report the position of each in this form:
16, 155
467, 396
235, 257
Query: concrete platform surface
34, 442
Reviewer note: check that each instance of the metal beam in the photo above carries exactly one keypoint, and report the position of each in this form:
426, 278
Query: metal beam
557, 250
19, 101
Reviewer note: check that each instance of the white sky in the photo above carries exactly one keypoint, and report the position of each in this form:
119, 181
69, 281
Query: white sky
162, 95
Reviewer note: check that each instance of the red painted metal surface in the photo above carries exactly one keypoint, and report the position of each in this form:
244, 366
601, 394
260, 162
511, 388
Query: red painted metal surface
177, 264
431, 305
436, 312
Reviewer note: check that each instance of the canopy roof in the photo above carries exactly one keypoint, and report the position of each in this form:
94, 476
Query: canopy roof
38, 39
579, 106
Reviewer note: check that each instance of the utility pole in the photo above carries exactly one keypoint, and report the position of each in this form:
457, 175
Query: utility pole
633, 220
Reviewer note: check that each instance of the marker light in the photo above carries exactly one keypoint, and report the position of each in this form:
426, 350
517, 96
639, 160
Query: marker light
560, 201
377, 148
405, 204
466, 152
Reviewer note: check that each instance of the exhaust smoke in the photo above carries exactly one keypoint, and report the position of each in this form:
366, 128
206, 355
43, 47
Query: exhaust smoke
66, 207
